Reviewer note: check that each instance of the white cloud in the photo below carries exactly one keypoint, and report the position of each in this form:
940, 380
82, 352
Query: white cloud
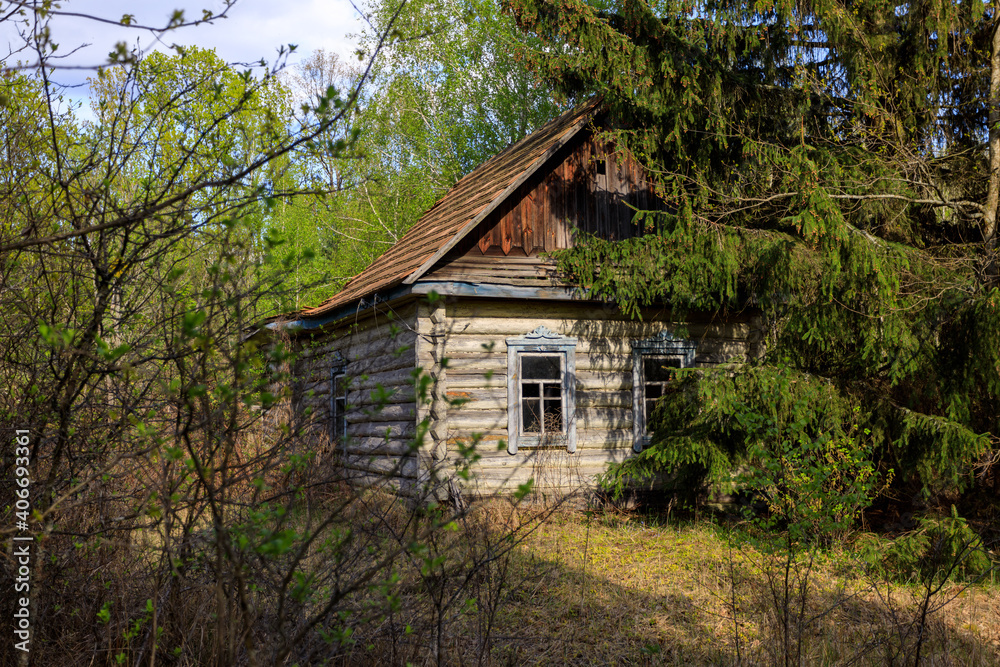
253, 30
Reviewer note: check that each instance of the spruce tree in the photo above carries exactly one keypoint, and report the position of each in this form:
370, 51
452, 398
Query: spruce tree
832, 165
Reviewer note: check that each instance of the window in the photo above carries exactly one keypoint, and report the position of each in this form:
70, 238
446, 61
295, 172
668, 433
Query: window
657, 375
654, 362
338, 404
541, 392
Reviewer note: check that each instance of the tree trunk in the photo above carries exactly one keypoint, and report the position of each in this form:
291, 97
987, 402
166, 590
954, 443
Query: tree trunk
993, 193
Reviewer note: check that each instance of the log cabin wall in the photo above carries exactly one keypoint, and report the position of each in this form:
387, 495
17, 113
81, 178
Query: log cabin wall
473, 335
375, 350
585, 187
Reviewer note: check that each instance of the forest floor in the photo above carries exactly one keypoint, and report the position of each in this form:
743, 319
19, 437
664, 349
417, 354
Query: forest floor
509, 584
599, 588
621, 589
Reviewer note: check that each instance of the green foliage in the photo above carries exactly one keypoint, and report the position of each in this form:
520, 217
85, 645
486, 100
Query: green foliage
814, 484
804, 185
788, 438
452, 90
104, 613
191, 117
938, 549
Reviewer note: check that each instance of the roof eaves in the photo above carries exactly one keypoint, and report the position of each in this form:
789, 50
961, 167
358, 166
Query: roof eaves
354, 307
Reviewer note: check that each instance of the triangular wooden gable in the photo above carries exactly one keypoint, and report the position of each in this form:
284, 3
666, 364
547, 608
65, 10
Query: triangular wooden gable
587, 187
533, 197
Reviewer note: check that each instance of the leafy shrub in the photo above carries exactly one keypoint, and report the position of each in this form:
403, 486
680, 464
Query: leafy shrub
940, 547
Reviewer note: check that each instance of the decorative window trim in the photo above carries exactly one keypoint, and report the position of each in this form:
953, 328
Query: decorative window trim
541, 340
337, 412
662, 344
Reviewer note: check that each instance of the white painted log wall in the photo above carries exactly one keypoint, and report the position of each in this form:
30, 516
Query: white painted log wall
475, 346
379, 353
471, 334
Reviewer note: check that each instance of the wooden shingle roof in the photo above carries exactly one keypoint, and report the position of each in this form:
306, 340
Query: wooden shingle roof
460, 210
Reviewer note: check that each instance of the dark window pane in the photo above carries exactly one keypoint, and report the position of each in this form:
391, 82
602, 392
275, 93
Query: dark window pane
659, 368
552, 390
545, 367
529, 390
339, 421
338, 405
650, 407
654, 390
531, 417
553, 417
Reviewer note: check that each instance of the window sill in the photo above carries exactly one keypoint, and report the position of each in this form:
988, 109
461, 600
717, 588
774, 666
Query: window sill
535, 442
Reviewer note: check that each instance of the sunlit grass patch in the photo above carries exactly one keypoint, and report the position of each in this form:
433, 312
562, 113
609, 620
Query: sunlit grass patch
641, 592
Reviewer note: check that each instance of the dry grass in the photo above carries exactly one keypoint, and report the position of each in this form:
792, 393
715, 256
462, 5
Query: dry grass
572, 587
613, 590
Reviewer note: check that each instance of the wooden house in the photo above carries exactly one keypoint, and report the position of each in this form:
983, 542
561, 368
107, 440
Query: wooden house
550, 385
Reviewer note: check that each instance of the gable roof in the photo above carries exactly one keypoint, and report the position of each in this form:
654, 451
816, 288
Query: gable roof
460, 210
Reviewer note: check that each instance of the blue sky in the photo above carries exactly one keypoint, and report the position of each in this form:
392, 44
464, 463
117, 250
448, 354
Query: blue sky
254, 29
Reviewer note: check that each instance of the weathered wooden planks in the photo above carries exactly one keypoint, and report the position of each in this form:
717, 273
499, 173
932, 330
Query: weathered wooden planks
588, 187
378, 353
475, 333
471, 334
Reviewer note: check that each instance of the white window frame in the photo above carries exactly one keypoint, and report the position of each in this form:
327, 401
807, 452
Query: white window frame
337, 372
541, 341
661, 345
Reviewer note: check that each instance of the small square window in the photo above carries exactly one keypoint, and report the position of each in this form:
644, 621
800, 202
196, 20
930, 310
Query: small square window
654, 370
542, 408
540, 390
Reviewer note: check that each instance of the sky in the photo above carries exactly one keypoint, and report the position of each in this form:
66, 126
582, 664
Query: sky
253, 29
